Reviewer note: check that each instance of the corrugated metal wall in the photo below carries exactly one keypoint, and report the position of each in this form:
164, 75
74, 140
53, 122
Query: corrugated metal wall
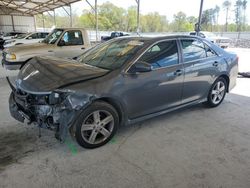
21, 23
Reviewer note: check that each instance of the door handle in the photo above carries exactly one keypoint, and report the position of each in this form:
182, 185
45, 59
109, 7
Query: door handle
178, 72
83, 48
215, 64
50, 50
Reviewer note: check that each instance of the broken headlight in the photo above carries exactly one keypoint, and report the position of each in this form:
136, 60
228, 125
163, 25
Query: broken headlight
69, 99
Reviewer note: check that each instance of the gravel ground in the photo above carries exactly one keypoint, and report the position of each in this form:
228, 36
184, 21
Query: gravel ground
189, 148
240, 43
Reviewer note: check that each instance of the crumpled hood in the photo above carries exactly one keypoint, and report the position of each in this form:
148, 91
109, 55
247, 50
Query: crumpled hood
45, 74
29, 48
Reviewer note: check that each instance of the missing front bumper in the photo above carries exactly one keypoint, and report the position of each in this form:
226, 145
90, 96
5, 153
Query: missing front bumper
55, 119
15, 110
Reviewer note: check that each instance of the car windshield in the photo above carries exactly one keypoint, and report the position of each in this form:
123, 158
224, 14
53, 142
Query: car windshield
53, 36
111, 55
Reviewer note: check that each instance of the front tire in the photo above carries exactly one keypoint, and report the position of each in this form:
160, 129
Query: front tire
217, 92
97, 125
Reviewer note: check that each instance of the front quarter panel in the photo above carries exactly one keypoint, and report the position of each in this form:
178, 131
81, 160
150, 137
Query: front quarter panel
108, 88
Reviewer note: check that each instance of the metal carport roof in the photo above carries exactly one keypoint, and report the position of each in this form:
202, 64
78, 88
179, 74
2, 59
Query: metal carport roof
31, 7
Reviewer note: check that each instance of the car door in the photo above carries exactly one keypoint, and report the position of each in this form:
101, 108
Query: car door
70, 45
158, 89
200, 68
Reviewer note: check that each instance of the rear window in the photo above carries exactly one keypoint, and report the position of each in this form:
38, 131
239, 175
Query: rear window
193, 50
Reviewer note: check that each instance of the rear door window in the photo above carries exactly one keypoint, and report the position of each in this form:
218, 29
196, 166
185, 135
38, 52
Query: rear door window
210, 52
193, 50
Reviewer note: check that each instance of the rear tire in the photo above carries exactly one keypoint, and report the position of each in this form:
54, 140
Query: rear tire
217, 92
96, 125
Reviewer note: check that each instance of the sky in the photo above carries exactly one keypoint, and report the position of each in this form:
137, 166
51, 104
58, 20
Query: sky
165, 7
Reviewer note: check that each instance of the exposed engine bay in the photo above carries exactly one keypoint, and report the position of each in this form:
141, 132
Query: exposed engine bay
55, 111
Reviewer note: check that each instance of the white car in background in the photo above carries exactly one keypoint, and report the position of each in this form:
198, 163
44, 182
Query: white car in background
27, 38
223, 42
10, 35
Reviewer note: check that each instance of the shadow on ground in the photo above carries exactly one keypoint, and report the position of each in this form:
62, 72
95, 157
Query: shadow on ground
18, 142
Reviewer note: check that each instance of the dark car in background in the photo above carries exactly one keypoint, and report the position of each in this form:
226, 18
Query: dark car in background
120, 82
114, 34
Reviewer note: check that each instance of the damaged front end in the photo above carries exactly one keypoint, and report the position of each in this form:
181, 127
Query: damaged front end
56, 110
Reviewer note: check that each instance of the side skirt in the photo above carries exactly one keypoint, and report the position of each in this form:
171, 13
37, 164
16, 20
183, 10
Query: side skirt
149, 116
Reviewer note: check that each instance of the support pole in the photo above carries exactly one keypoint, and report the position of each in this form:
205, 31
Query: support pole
96, 21
138, 16
43, 22
198, 27
70, 14
54, 18
34, 17
13, 24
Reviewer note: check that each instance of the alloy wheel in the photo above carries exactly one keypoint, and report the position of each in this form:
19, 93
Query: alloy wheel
218, 92
97, 127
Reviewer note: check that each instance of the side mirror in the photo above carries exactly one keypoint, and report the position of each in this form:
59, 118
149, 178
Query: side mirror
140, 66
29, 38
61, 43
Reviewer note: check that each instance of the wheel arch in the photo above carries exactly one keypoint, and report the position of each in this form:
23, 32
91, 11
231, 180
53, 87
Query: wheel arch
117, 105
25, 63
226, 77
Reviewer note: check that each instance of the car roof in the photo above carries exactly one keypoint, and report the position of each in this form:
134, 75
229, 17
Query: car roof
70, 28
159, 38
16, 32
41, 32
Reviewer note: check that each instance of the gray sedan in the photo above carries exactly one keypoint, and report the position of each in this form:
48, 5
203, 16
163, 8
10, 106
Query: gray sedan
120, 82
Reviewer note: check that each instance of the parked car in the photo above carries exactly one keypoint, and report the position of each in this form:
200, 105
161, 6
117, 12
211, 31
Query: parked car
120, 82
114, 34
223, 42
61, 42
11, 35
27, 38
7, 36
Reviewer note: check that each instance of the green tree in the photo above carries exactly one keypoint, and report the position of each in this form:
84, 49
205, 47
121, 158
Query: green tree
226, 5
180, 20
111, 17
205, 19
131, 19
86, 20
153, 22
238, 16
192, 19
244, 7
216, 14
